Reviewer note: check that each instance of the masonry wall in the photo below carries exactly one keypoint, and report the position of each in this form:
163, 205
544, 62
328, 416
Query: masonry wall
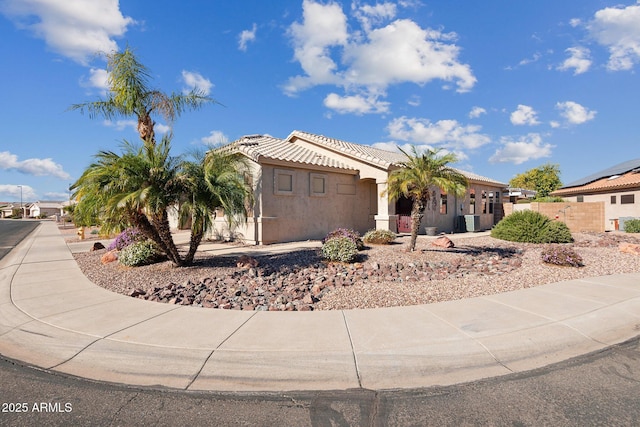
614, 209
587, 216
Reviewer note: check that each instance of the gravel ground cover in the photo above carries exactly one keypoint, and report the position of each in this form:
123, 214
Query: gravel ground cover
383, 276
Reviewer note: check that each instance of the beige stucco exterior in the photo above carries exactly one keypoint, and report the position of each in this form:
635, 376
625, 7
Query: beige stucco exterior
613, 211
327, 186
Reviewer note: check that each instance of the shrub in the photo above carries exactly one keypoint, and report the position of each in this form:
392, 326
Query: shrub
561, 255
127, 237
379, 237
531, 227
632, 226
556, 232
139, 253
341, 249
348, 233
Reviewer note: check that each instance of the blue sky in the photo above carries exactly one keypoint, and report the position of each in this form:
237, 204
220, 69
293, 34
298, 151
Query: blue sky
506, 85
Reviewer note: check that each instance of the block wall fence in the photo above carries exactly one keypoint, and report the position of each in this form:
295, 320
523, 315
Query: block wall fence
583, 216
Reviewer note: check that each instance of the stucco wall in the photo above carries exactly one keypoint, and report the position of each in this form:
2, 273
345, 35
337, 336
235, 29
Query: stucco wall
456, 207
587, 216
613, 211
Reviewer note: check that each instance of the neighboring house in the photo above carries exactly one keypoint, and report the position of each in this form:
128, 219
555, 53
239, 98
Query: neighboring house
11, 209
45, 208
307, 185
515, 194
618, 187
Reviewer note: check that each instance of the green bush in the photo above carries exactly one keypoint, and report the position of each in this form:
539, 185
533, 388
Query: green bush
632, 226
561, 255
531, 227
341, 249
345, 232
556, 232
379, 237
139, 253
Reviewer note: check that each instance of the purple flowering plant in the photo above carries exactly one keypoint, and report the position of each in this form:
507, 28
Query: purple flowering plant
127, 237
345, 232
561, 255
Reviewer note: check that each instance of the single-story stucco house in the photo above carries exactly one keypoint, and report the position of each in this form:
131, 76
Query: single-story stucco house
307, 185
618, 187
45, 208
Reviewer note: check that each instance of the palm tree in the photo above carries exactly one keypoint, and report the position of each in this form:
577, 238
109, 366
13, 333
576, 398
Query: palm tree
212, 181
418, 174
136, 188
131, 95
139, 186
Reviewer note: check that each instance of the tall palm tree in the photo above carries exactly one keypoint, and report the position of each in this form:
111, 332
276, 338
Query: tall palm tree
212, 181
130, 94
414, 180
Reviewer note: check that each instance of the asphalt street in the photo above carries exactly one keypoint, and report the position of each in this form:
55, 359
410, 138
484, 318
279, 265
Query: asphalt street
600, 389
12, 231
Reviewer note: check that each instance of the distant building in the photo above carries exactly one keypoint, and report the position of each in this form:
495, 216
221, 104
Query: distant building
618, 187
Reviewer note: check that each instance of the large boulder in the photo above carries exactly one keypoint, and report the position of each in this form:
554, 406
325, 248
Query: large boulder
443, 242
110, 256
247, 262
97, 246
629, 248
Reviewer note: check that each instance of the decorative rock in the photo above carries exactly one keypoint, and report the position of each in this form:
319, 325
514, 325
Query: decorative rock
443, 242
629, 248
110, 256
97, 246
247, 262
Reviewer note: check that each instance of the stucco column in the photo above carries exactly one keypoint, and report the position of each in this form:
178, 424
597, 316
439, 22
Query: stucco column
386, 218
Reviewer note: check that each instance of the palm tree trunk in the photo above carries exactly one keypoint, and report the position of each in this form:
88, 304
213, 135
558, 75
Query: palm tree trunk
161, 223
417, 212
194, 242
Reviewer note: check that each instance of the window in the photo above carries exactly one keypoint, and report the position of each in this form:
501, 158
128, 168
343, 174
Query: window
491, 202
472, 201
627, 199
317, 184
443, 203
484, 202
283, 182
580, 199
613, 200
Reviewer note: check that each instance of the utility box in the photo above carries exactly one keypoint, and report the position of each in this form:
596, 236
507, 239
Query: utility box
472, 223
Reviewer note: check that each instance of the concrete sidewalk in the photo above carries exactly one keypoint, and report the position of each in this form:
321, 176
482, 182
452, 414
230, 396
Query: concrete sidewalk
52, 317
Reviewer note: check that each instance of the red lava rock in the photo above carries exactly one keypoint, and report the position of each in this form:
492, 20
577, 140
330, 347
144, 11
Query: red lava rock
247, 262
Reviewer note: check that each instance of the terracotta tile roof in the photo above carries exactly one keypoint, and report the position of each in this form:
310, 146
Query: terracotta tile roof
630, 179
373, 155
365, 153
265, 146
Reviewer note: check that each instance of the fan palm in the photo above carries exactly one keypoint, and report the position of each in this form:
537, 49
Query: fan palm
130, 94
212, 181
417, 175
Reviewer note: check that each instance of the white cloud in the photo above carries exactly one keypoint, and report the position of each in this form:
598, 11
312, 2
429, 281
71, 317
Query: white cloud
13, 191
575, 113
160, 128
414, 101
121, 124
477, 112
618, 29
374, 58
524, 115
369, 15
554, 124
575, 22
355, 104
445, 133
215, 137
247, 36
535, 58
77, 29
529, 147
98, 79
36, 167
579, 60
196, 81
